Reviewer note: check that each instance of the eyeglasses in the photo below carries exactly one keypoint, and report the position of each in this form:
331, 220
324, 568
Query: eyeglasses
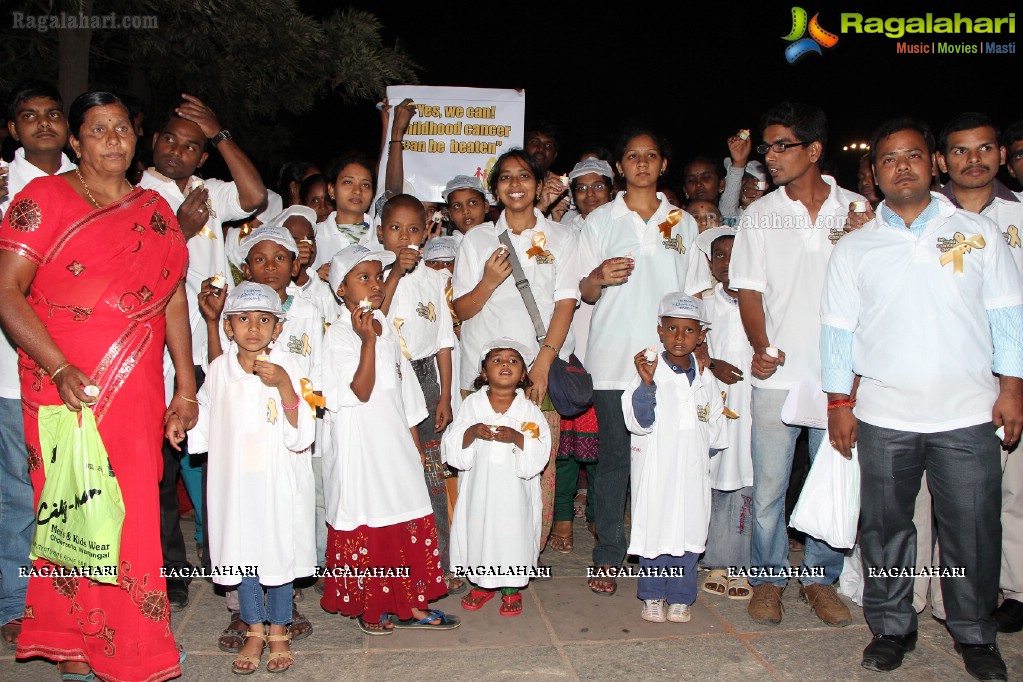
779, 147
595, 187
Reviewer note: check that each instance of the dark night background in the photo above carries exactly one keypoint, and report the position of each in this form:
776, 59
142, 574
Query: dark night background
696, 72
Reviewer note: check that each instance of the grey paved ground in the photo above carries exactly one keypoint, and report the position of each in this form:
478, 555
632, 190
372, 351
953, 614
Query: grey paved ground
568, 633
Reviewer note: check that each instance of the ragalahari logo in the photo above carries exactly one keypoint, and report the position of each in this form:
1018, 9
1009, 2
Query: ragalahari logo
800, 46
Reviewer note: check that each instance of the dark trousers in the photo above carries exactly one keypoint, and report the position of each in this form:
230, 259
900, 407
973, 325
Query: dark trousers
171, 539
611, 485
964, 477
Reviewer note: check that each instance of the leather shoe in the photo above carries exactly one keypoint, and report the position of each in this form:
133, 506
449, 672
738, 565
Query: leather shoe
885, 652
1009, 616
177, 593
983, 661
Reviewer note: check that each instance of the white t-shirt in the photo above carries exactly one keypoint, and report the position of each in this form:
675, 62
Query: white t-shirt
624, 318
331, 238
20, 174
421, 305
783, 255
1008, 216
921, 335
206, 253
372, 475
551, 278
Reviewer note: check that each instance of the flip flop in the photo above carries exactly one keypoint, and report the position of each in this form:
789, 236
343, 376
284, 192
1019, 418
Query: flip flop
716, 582
606, 579
364, 626
562, 544
508, 601
475, 600
446, 622
463, 585
738, 585
233, 636
300, 627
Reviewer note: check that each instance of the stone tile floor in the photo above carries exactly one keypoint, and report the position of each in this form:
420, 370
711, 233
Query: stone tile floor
568, 633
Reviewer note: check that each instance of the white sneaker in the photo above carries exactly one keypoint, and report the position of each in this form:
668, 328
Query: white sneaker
679, 613
653, 610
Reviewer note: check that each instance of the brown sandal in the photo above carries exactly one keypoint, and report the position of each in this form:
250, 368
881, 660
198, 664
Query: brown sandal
280, 655
253, 660
563, 544
233, 636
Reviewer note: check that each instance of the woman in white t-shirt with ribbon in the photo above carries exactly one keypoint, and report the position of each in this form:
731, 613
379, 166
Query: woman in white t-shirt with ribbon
489, 304
632, 251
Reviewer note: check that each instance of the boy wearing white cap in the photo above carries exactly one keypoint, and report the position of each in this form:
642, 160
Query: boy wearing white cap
467, 203
258, 432
378, 508
731, 472
670, 487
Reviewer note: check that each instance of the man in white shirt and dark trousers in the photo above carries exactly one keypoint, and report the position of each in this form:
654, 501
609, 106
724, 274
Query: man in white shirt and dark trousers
778, 263
37, 122
180, 147
924, 303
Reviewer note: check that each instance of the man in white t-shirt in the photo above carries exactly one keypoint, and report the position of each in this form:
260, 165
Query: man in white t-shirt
778, 263
925, 304
180, 147
36, 120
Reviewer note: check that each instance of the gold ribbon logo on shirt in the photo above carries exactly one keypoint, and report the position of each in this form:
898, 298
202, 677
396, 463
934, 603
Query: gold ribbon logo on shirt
539, 250
703, 412
427, 311
311, 397
956, 248
271, 411
208, 233
725, 410
1012, 237
675, 244
398, 322
299, 346
674, 217
531, 428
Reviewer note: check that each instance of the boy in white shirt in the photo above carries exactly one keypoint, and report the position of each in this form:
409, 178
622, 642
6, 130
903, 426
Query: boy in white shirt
37, 121
778, 263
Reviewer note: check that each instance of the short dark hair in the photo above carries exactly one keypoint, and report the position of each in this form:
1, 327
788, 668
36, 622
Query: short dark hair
402, 201
631, 132
715, 163
965, 121
520, 154
307, 185
90, 100
1012, 134
339, 164
171, 115
31, 89
892, 126
724, 236
807, 121
544, 128
291, 171
524, 383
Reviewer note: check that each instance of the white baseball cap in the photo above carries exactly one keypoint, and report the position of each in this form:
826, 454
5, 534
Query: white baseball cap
679, 305
440, 248
271, 233
249, 297
586, 166
706, 238
505, 342
350, 256
292, 211
462, 182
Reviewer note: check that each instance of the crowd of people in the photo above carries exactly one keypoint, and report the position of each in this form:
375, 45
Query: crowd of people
376, 396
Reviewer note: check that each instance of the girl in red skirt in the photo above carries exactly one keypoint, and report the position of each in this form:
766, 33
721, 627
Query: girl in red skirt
383, 558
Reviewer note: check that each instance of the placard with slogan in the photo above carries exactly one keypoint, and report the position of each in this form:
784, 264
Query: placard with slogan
456, 131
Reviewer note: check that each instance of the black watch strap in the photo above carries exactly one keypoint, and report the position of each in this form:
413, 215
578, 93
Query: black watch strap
224, 134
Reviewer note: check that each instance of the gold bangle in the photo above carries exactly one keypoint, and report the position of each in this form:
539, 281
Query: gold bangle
547, 345
187, 400
54, 373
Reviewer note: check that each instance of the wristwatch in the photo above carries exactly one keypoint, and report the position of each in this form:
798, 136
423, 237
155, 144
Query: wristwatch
224, 134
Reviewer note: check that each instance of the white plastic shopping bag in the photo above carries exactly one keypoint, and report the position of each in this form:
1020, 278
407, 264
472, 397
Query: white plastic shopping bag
829, 506
850, 583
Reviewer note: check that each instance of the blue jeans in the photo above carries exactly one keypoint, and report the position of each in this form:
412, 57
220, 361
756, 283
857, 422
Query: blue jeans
675, 589
276, 610
17, 516
731, 523
774, 445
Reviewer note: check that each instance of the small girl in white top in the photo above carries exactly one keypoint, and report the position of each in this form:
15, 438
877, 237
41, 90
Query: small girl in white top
260, 474
501, 442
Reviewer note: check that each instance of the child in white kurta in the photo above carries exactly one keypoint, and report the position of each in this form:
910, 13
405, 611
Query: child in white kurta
495, 532
260, 486
379, 519
675, 415
731, 472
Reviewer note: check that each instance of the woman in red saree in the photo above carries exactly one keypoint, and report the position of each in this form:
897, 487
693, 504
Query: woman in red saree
90, 287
